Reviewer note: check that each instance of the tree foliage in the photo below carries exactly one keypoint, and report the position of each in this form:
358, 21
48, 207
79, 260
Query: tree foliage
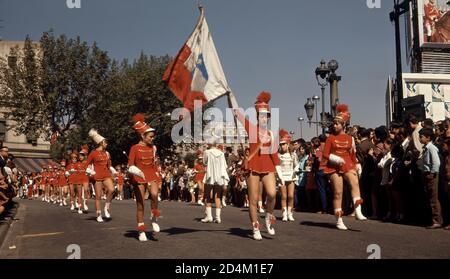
66, 87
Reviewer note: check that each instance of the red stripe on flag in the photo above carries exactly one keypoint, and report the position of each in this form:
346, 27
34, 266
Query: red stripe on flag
178, 79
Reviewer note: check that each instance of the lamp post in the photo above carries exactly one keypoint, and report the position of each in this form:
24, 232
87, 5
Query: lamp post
316, 99
321, 76
301, 119
333, 79
309, 107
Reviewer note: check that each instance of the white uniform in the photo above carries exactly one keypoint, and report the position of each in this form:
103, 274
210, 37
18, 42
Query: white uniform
216, 167
288, 162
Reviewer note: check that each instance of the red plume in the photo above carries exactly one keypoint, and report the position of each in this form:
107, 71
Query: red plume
264, 97
341, 108
139, 117
283, 133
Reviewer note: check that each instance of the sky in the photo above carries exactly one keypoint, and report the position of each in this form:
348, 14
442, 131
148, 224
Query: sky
263, 45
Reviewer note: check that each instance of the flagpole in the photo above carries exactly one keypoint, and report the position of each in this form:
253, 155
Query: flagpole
232, 103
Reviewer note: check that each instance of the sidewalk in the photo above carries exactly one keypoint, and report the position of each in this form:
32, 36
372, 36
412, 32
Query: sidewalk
7, 219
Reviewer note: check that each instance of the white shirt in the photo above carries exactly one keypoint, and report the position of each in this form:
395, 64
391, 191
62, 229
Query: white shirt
216, 167
287, 163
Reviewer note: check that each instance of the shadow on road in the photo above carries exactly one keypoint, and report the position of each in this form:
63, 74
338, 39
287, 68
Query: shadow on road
240, 232
134, 234
173, 231
323, 225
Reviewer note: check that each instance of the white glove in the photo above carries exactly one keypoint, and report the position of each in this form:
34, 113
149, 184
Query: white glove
71, 171
136, 171
336, 160
278, 168
67, 174
90, 171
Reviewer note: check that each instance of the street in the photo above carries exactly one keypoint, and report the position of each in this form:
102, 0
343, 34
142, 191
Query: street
44, 231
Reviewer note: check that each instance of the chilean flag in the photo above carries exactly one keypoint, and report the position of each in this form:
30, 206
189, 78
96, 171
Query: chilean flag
196, 72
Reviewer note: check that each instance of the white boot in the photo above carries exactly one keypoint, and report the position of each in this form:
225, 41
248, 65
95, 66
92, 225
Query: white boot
208, 218
142, 237
218, 220
85, 207
285, 215
270, 220
358, 213
141, 229
260, 206
339, 222
72, 207
290, 215
107, 214
64, 202
256, 231
99, 217
224, 204
80, 211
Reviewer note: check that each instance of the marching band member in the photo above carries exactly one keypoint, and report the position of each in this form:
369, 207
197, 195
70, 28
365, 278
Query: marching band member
62, 183
199, 169
261, 163
52, 182
83, 177
340, 156
74, 183
142, 165
288, 162
215, 178
101, 173
44, 183
120, 177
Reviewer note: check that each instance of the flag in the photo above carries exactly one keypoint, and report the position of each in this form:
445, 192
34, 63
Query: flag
196, 72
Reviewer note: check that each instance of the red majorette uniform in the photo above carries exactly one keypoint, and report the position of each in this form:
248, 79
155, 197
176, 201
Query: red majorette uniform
199, 168
120, 178
263, 157
143, 156
340, 157
72, 168
62, 180
342, 146
82, 175
261, 162
142, 165
102, 164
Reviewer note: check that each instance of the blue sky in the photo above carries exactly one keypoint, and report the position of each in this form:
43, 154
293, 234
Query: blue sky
263, 44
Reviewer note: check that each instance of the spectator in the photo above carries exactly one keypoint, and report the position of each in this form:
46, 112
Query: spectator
429, 165
446, 148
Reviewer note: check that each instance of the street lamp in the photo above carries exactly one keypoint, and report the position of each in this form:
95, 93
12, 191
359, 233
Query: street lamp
316, 99
301, 119
309, 107
322, 73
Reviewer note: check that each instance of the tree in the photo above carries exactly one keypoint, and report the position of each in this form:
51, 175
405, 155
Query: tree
51, 93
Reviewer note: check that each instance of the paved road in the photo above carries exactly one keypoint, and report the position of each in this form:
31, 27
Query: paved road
44, 231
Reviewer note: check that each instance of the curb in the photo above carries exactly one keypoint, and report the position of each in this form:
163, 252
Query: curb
6, 223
